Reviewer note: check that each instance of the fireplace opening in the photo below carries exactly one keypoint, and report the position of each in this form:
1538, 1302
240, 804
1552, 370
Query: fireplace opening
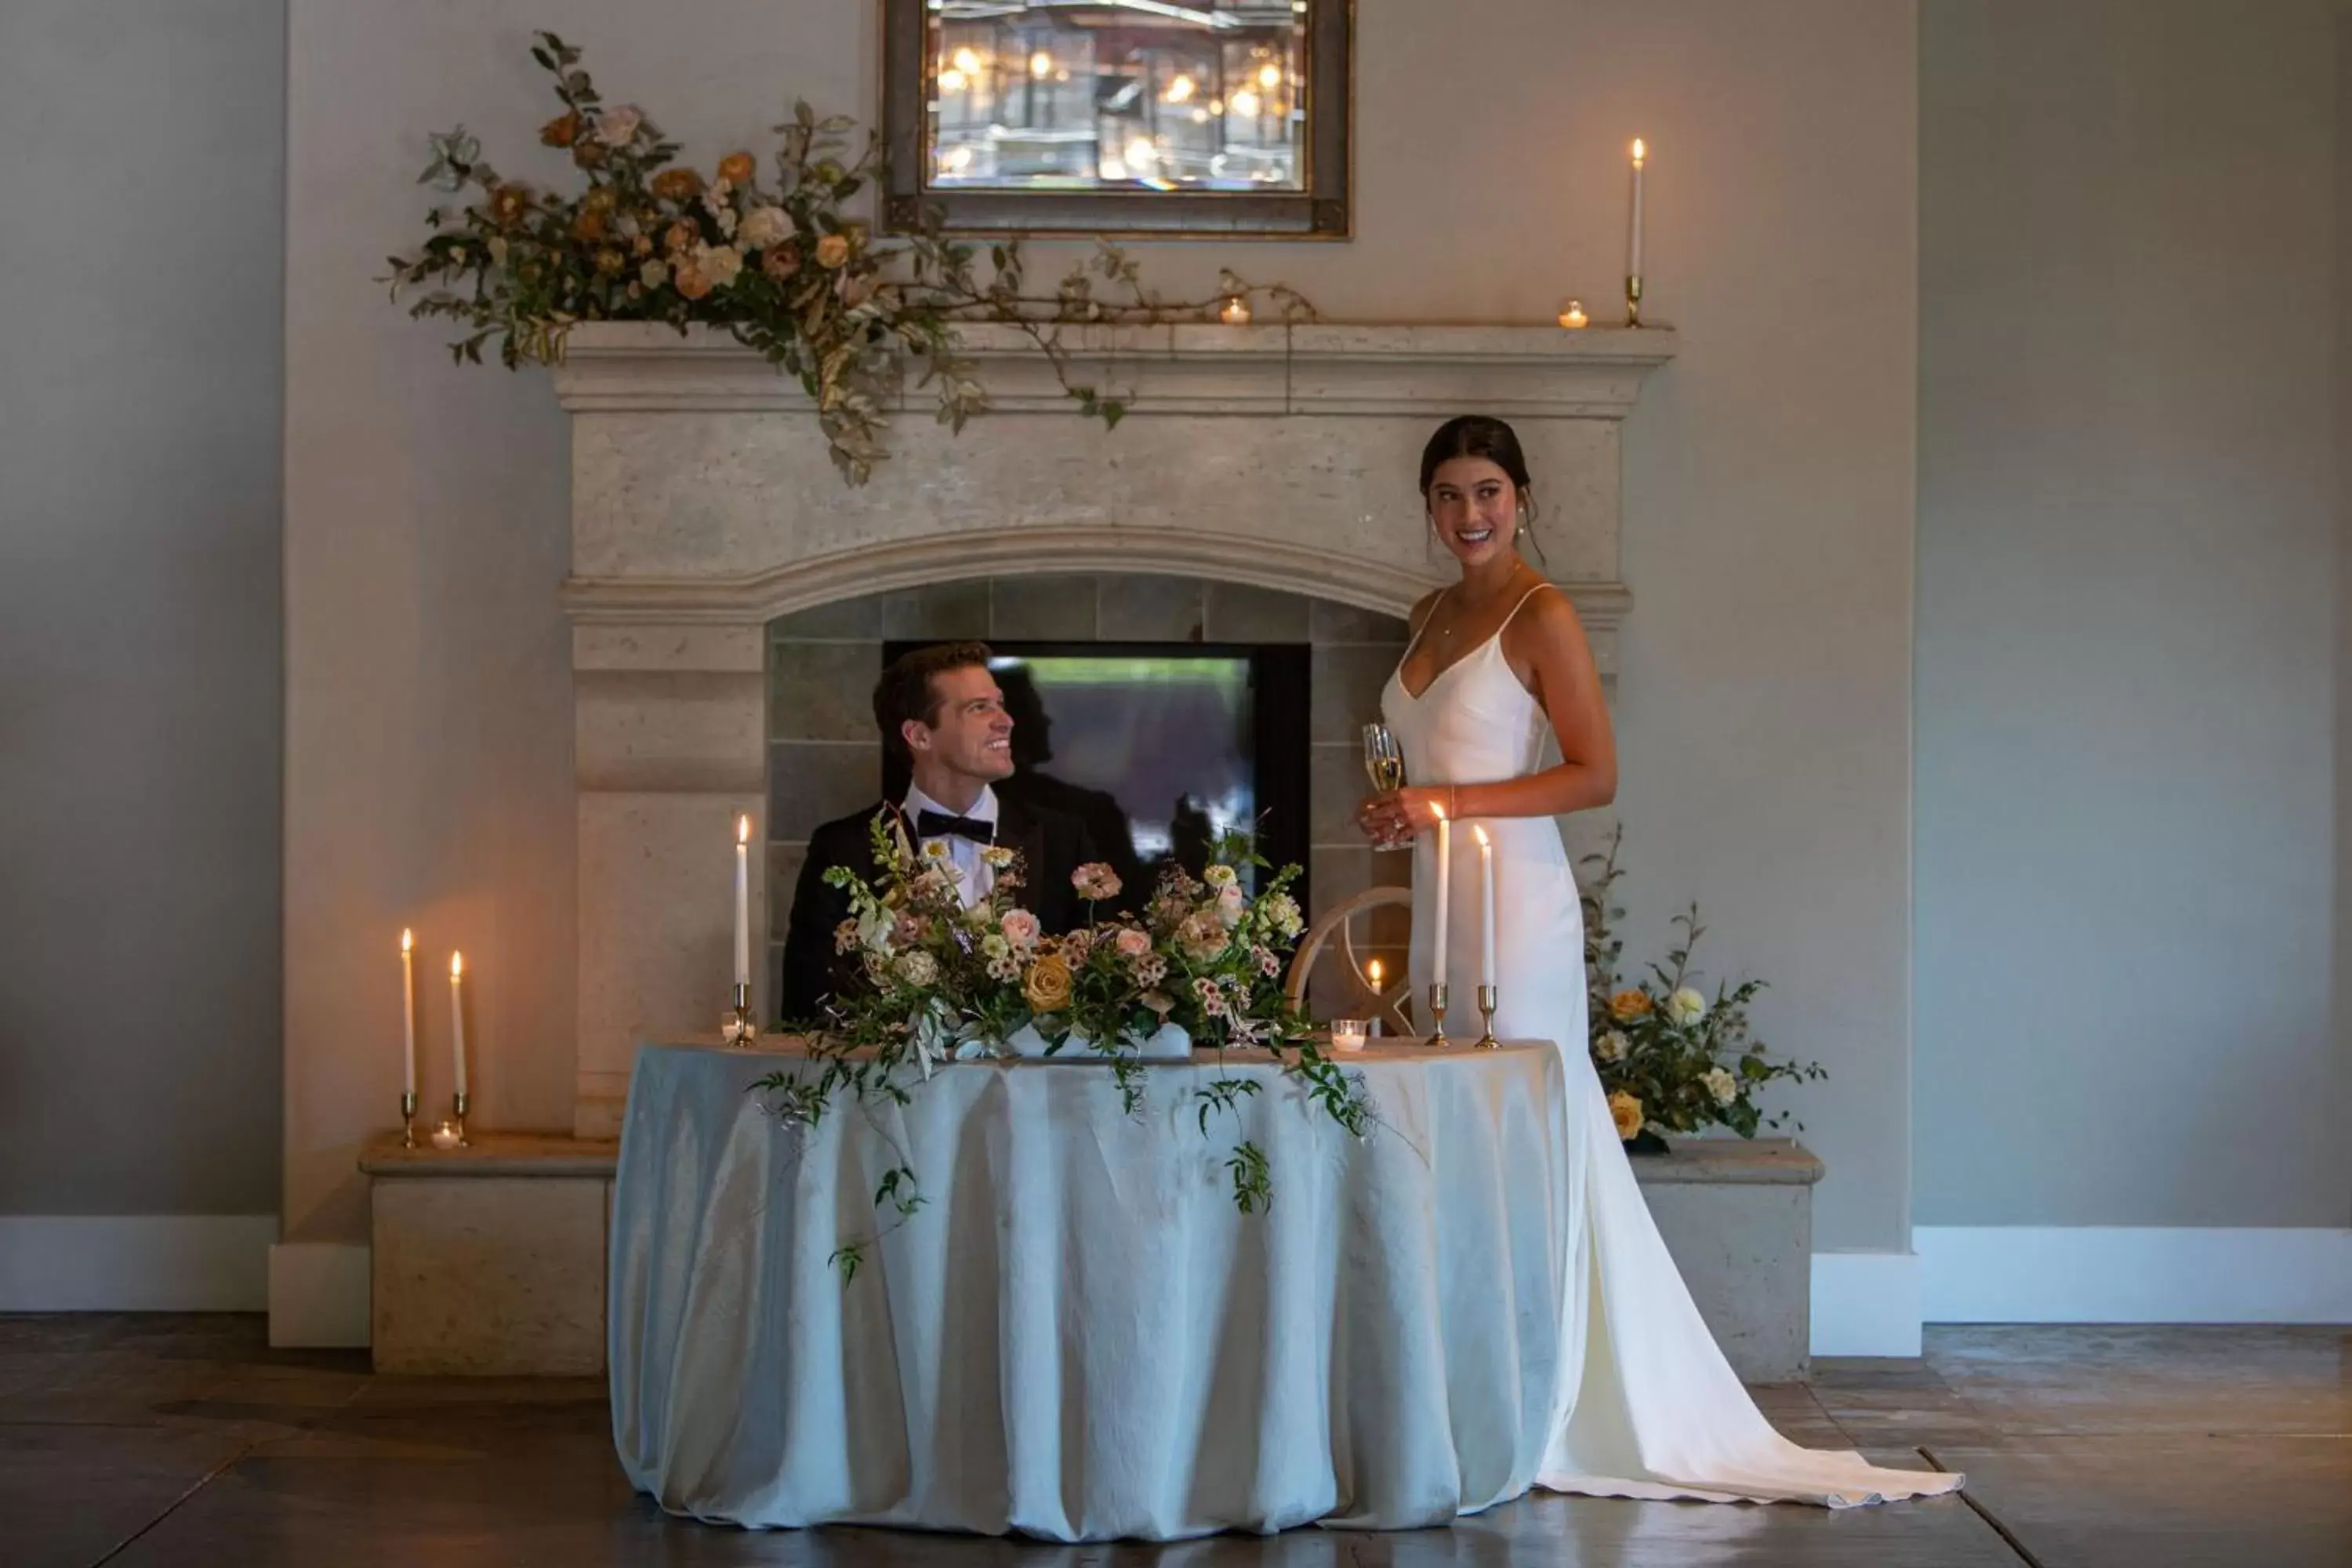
1158, 748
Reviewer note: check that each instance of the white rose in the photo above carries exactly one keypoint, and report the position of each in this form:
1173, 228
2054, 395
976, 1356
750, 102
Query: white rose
719, 263
1721, 1085
1219, 876
917, 968
617, 126
764, 227
1612, 1047
1687, 1006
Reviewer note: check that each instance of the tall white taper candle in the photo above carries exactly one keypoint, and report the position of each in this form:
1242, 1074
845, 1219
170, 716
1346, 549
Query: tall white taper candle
1445, 890
458, 1013
1486, 910
408, 1013
1634, 234
742, 901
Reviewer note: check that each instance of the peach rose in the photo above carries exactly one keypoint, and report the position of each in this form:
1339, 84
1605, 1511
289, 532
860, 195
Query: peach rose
1625, 1114
1046, 986
736, 168
831, 251
1629, 1006
676, 185
691, 280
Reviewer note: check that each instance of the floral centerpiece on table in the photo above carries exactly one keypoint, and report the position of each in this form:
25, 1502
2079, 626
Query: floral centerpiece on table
1671, 1057
777, 257
945, 983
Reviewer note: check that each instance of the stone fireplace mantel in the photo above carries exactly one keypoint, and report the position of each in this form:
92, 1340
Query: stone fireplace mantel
704, 505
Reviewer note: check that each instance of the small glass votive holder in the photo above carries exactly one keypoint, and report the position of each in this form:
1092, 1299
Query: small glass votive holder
445, 1135
1348, 1034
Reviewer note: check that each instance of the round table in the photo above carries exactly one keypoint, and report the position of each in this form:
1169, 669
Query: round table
1078, 1336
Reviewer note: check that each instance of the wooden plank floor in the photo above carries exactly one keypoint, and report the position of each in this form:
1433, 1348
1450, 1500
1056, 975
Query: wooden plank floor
152, 1439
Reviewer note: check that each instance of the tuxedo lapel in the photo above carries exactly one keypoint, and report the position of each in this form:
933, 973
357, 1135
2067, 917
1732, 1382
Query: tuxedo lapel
1024, 835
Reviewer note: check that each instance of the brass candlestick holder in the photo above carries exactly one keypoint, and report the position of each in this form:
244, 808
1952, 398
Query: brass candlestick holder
408, 1119
1437, 1040
736, 1026
1487, 1041
1632, 298
457, 1104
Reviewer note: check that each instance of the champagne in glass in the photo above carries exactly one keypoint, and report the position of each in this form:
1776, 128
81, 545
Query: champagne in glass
1384, 766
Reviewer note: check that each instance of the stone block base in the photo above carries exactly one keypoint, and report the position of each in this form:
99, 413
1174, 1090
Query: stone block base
1737, 1215
489, 1261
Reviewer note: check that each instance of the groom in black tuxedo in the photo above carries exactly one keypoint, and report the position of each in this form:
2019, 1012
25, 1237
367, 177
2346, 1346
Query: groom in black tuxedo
942, 717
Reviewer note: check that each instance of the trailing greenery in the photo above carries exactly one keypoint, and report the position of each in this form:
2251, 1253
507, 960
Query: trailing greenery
776, 256
942, 983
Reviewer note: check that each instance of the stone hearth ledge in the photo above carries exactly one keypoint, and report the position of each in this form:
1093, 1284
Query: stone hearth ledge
490, 1260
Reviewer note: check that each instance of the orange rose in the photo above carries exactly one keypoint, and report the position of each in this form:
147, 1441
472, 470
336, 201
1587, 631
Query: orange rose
680, 238
690, 279
1625, 1114
1629, 1006
678, 185
736, 168
831, 251
1046, 986
508, 205
561, 132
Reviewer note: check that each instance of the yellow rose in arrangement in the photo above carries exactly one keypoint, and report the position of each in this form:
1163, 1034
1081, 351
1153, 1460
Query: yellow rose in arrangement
1625, 1112
1046, 985
1627, 1007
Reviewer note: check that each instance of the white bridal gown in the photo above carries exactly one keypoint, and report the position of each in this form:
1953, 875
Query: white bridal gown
1647, 1407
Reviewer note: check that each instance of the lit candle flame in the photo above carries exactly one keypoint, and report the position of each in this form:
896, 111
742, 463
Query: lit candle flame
1437, 810
1639, 152
1482, 836
456, 966
407, 940
742, 830
1373, 970
1041, 64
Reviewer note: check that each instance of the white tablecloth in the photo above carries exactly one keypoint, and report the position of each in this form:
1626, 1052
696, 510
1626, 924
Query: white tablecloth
1079, 1337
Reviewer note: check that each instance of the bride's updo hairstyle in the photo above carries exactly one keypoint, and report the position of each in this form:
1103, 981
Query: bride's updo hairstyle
1482, 436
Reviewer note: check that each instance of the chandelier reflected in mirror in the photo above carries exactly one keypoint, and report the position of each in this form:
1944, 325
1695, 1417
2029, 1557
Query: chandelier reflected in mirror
1120, 116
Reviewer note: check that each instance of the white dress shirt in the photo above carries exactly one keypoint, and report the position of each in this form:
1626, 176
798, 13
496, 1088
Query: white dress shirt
976, 878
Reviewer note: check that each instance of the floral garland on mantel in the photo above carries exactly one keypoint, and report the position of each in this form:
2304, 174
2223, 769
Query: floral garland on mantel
776, 260
948, 982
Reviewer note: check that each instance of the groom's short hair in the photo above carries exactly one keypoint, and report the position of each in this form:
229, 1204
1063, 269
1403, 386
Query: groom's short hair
904, 691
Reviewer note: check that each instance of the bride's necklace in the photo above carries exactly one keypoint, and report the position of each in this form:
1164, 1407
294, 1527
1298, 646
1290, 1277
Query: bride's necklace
1447, 593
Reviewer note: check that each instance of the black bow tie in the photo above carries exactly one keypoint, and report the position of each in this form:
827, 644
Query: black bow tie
938, 823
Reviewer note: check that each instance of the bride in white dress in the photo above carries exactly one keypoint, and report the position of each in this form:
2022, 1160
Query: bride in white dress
1647, 1407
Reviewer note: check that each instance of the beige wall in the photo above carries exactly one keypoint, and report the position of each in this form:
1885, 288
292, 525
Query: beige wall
1765, 693
139, 608
2129, 525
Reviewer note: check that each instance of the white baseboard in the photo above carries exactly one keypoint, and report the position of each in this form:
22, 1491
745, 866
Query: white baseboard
319, 1295
1865, 1304
2052, 1274
135, 1263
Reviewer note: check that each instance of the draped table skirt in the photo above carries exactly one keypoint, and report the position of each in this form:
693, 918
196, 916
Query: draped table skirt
1077, 1336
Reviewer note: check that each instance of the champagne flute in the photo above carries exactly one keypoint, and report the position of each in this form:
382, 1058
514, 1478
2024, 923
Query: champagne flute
1384, 766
